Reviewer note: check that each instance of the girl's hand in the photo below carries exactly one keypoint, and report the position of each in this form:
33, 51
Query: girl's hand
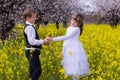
50, 39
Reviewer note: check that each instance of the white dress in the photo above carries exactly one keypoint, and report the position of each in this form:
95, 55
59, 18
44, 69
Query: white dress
74, 58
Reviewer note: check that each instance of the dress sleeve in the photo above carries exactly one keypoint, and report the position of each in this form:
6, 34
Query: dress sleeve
68, 36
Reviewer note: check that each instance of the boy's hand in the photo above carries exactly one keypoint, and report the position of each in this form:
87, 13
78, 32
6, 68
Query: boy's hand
50, 39
47, 40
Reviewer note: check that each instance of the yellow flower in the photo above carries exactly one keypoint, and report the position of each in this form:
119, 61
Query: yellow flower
101, 46
61, 71
99, 78
70, 52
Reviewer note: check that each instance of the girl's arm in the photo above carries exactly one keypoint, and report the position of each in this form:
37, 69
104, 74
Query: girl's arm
70, 35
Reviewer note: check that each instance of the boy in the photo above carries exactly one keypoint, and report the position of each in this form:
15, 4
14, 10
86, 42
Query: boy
33, 43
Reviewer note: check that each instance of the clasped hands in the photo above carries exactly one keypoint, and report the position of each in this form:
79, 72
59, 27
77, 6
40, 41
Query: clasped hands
47, 40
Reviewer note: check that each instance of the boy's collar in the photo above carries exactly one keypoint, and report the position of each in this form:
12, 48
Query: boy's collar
27, 22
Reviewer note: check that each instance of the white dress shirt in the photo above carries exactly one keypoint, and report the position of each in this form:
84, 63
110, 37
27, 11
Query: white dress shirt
30, 32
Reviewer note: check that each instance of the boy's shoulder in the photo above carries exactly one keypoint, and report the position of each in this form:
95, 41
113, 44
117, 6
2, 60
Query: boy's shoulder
69, 27
28, 26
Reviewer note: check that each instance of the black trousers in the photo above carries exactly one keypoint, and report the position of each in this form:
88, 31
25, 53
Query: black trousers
35, 65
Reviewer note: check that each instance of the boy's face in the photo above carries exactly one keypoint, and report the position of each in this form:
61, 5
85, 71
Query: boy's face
32, 18
74, 23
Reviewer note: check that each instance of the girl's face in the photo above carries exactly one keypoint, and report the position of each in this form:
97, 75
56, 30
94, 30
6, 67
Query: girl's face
74, 23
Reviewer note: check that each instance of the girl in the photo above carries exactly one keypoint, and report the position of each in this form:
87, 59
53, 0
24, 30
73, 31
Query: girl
74, 58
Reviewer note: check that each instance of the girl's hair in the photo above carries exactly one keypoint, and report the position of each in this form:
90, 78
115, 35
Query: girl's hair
79, 19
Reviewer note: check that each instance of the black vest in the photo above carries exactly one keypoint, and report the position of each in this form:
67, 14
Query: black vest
36, 37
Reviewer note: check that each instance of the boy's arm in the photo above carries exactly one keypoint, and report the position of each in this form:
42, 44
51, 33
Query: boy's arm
31, 37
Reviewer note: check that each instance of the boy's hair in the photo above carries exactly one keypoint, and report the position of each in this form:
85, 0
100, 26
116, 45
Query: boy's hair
28, 13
